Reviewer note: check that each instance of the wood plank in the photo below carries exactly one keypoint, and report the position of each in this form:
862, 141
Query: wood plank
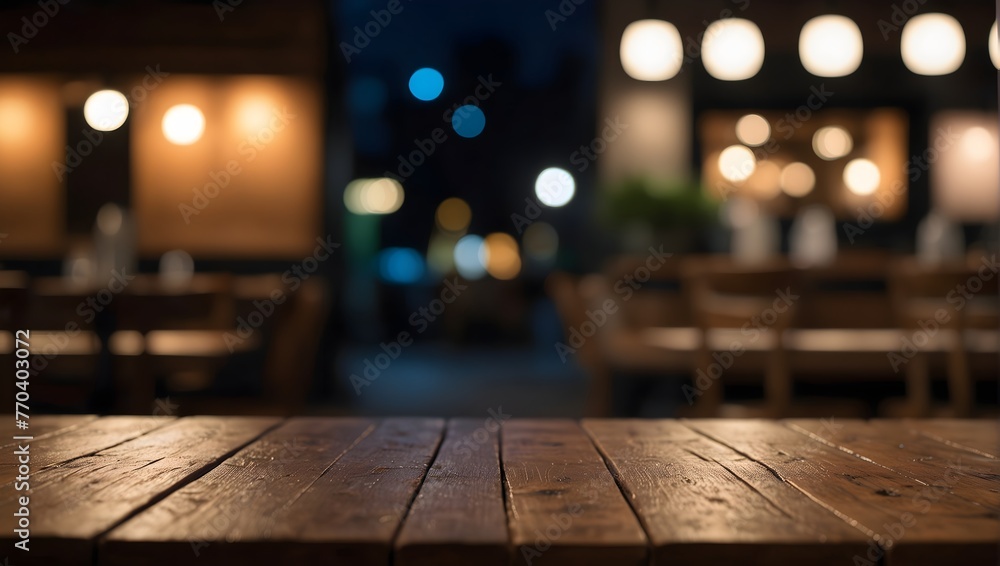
458, 517
980, 436
703, 503
224, 516
896, 446
74, 502
41, 426
63, 446
564, 506
915, 524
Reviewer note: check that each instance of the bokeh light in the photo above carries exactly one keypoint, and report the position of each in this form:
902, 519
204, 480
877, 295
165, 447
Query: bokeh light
183, 124
933, 44
831, 46
978, 144
468, 121
426, 83
106, 110
401, 265
862, 177
994, 46
732, 49
502, 258
797, 179
453, 215
832, 142
555, 187
753, 130
737, 163
470, 257
651, 50
373, 196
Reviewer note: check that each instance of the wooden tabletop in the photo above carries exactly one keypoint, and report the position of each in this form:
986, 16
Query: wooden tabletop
123, 491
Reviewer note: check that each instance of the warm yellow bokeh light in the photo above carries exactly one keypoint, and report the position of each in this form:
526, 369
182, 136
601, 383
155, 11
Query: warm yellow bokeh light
453, 215
737, 163
862, 177
183, 124
753, 130
502, 258
732, 49
832, 142
831, 46
797, 179
373, 196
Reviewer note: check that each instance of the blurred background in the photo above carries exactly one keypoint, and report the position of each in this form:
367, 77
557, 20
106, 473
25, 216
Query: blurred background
514, 208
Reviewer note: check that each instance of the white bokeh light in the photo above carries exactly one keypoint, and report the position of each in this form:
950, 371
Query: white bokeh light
862, 177
555, 187
831, 46
651, 50
933, 44
994, 46
106, 110
737, 163
978, 144
183, 124
732, 49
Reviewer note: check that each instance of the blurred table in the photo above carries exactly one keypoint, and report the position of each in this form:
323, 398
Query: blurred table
216, 491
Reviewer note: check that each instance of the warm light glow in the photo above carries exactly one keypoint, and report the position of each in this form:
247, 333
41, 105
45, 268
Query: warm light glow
15, 118
555, 187
382, 196
255, 116
832, 142
765, 182
106, 110
736, 163
797, 179
453, 215
541, 241
502, 258
994, 46
651, 50
183, 124
373, 196
978, 144
831, 46
733, 49
470, 257
933, 44
753, 130
862, 177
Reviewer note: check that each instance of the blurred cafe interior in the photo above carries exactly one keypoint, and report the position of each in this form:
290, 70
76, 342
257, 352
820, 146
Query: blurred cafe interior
571, 207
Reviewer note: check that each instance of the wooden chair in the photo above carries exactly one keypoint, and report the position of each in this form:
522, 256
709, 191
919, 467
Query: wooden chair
178, 333
936, 307
571, 303
726, 300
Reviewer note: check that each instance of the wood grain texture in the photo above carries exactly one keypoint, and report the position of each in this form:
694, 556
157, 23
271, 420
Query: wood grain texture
980, 436
75, 501
912, 521
895, 446
41, 426
458, 517
224, 516
703, 503
563, 504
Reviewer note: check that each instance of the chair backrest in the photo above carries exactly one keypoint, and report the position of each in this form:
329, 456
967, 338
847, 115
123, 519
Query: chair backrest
660, 300
291, 357
850, 293
728, 295
955, 295
13, 299
204, 303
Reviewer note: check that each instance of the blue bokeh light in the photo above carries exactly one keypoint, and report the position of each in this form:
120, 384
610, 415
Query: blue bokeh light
469, 260
468, 121
401, 265
426, 83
